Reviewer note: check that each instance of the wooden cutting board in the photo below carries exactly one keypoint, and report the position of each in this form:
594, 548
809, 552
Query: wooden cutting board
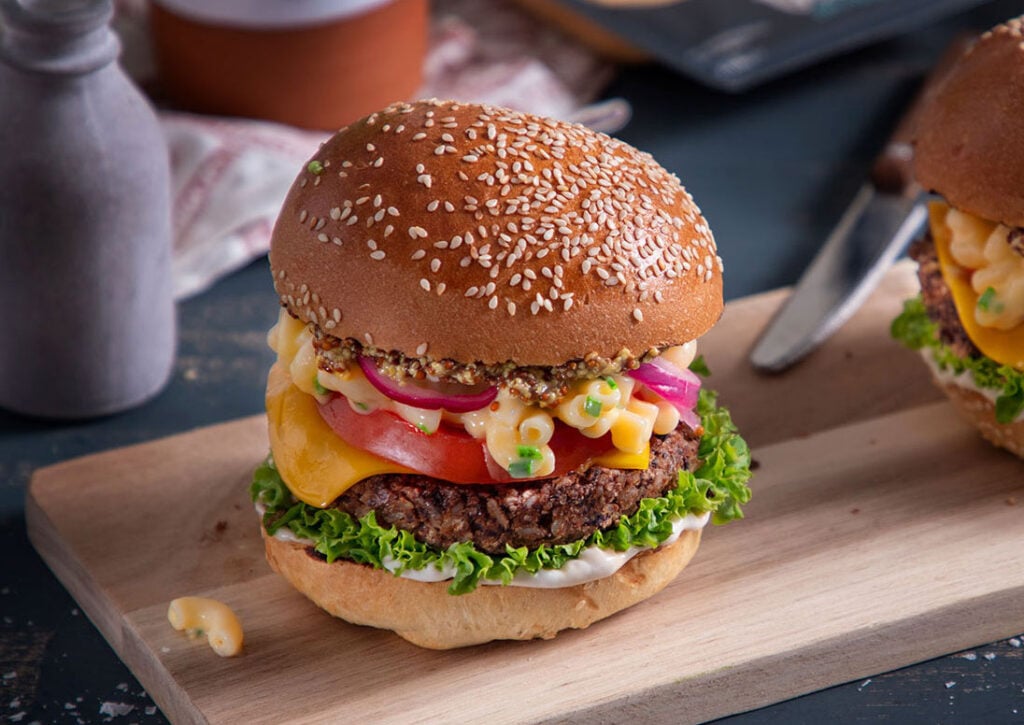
882, 532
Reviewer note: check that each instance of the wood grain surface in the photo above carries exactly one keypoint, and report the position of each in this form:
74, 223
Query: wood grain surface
882, 532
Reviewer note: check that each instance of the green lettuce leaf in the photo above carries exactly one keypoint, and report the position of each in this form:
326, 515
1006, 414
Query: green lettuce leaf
917, 331
718, 486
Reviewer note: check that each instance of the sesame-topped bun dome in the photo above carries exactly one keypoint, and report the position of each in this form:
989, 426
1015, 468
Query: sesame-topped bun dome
970, 143
475, 233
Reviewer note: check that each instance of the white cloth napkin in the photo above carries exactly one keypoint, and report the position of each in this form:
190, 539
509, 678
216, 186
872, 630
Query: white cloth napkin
231, 175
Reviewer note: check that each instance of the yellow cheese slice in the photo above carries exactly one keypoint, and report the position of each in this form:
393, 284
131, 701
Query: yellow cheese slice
318, 466
621, 459
1003, 346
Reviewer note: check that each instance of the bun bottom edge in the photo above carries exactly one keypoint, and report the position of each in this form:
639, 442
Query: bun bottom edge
980, 412
424, 614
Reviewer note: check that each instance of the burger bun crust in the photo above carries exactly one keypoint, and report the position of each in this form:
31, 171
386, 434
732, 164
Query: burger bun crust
473, 233
425, 614
980, 412
969, 144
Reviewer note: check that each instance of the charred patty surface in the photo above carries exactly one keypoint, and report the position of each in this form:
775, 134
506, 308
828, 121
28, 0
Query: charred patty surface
938, 299
551, 511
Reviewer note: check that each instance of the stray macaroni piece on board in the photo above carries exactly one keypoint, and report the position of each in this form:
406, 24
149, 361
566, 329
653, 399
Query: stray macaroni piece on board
198, 617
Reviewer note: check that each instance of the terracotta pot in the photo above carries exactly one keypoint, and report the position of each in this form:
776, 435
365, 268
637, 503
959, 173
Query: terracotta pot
322, 65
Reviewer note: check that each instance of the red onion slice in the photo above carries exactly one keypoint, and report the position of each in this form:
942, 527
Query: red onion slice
690, 418
448, 396
678, 386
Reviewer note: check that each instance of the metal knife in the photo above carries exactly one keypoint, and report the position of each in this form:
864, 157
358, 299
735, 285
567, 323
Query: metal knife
887, 212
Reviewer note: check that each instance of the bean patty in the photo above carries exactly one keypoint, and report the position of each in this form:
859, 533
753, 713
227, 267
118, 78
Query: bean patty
938, 299
549, 511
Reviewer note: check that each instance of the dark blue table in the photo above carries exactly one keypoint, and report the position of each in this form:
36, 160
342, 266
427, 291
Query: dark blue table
772, 170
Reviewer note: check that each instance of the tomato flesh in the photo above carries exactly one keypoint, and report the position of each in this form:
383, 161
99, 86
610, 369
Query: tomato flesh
450, 453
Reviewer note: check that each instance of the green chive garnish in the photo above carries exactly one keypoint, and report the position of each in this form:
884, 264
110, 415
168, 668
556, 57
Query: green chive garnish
610, 381
522, 468
362, 406
988, 302
314, 167
530, 453
320, 389
424, 429
592, 407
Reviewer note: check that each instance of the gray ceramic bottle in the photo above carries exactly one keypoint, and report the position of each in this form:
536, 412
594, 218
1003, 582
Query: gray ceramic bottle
86, 309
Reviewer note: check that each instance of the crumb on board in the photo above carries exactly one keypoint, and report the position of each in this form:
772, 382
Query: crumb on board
116, 709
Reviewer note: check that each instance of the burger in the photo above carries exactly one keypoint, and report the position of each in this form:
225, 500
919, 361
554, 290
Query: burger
485, 418
968, 321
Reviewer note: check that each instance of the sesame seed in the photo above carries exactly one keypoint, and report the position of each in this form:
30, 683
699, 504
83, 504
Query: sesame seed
419, 136
425, 284
303, 215
417, 232
435, 264
378, 255
638, 314
606, 204
392, 211
421, 349
379, 162
362, 200
322, 237
418, 254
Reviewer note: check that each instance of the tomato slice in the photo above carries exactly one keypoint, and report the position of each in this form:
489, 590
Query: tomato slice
450, 453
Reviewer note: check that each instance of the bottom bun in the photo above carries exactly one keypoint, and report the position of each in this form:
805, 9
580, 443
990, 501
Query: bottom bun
981, 412
427, 615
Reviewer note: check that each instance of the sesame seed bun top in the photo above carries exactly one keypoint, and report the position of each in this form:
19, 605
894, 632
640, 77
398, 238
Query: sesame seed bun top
451, 230
970, 142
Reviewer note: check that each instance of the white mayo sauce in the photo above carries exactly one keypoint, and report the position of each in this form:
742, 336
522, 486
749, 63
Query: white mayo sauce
964, 380
593, 562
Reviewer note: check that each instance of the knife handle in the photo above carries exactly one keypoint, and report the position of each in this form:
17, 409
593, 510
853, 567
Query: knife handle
893, 169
